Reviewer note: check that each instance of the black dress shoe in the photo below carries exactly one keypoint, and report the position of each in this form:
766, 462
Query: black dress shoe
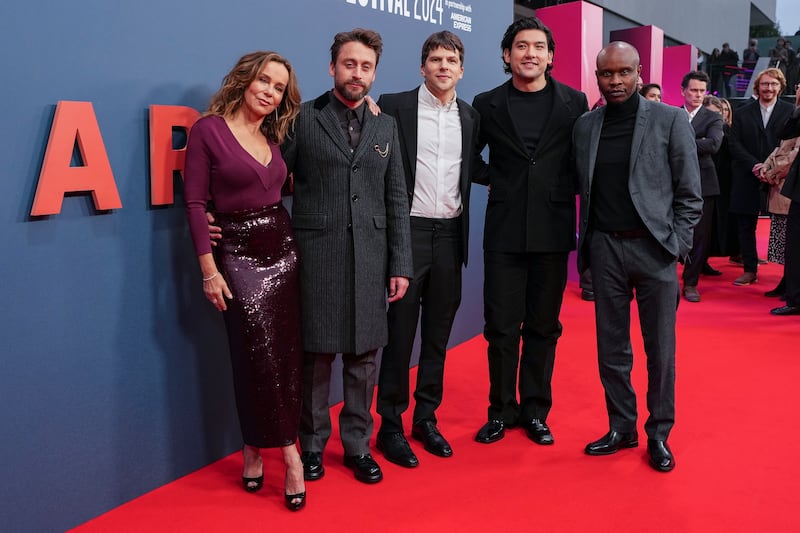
492, 431
312, 466
433, 441
364, 467
612, 442
587, 295
538, 432
786, 310
708, 270
660, 455
396, 449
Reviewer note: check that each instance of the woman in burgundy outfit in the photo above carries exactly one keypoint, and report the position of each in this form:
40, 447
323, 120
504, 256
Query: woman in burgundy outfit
233, 159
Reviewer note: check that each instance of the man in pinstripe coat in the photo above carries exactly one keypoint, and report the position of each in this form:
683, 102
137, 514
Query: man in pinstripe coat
350, 216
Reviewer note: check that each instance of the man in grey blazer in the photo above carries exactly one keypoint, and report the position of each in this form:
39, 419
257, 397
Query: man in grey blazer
639, 184
707, 126
438, 132
350, 217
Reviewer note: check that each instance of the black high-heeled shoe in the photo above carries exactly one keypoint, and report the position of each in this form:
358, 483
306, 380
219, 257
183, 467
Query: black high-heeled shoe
293, 505
253, 484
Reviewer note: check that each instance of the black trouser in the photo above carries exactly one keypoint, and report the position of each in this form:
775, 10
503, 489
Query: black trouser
436, 291
791, 257
522, 295
746, 226
700, 244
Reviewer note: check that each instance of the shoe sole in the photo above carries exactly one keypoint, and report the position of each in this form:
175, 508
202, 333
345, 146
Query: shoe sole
612, 452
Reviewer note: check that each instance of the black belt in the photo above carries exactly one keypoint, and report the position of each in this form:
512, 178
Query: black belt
629, 234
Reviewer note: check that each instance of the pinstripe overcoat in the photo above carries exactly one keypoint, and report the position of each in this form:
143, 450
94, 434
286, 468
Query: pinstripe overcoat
350, 217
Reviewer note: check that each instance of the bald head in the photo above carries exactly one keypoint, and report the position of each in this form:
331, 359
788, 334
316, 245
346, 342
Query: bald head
627, 51
617, 72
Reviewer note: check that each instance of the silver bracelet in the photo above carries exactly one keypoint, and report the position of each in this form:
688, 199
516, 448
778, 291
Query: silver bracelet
212, 276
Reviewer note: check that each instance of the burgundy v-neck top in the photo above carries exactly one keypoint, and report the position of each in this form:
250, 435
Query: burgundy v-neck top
218, 168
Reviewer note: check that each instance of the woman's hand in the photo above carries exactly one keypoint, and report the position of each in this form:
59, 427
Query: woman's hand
373, 107
216, 290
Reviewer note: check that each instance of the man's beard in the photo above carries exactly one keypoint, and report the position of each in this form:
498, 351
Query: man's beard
350, 95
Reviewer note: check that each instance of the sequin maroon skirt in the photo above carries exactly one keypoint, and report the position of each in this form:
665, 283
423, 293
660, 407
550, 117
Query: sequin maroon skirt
259, 260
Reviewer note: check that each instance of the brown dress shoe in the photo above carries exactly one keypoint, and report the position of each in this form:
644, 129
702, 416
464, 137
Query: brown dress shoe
691, 294
746, 279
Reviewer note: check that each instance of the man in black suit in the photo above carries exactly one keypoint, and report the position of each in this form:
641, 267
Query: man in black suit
438, 132
639, 184
756, 132
791, 189
708, 135
529, 230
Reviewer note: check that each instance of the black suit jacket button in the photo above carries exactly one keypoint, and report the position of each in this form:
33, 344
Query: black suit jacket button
354, 198
355, 168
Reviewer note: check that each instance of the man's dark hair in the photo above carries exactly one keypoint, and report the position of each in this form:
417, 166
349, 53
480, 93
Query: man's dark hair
698, 75
527, 23
369, 38
443, 39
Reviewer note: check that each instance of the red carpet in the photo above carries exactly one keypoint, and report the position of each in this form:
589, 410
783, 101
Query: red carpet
734, 443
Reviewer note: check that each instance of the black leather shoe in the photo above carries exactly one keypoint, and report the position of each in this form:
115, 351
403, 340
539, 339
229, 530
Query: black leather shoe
364, 467
708, 270
538, 432
660, 455
396, 449
612, 442
312, 466
587, 295
433, 441
786, 310
492, 431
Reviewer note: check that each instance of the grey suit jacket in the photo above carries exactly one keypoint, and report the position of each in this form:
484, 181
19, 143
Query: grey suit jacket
664, 179
350, 217
404, 107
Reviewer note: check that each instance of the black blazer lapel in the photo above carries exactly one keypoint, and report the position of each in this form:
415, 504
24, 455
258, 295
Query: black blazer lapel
502, 118
467, 145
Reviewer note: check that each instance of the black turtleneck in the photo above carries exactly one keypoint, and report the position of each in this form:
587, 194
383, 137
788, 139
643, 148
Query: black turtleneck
612, 207
530, 112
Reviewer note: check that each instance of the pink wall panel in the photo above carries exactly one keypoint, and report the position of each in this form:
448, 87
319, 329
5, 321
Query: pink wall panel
678, 60
578, 32
649, 41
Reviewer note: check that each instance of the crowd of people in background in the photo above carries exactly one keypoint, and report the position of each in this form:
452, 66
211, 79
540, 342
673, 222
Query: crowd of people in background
730, 76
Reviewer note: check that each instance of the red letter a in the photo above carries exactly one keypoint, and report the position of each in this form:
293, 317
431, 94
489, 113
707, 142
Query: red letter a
74, 121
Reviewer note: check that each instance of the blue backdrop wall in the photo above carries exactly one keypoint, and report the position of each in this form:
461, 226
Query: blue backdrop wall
115, 376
